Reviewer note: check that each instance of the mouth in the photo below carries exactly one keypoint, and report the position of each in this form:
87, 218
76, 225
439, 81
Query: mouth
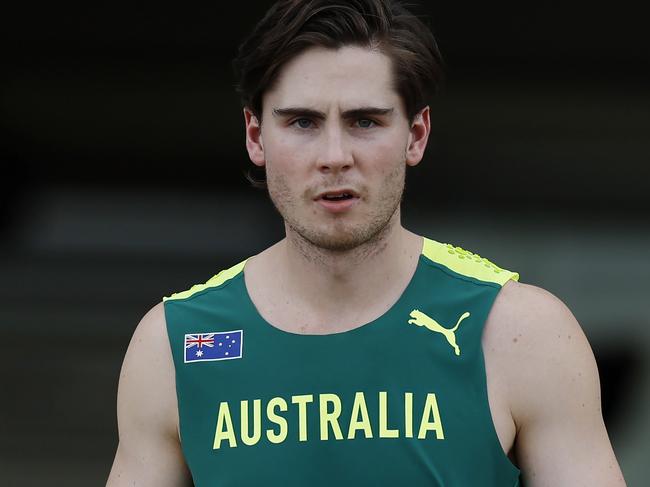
337, 201
340, 195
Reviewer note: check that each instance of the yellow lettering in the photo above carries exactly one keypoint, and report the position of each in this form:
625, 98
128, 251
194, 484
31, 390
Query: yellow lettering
330, 417
384, 432
431, 407
302, 401
224, 420
359, 407
281, 435
408, 414
257, 422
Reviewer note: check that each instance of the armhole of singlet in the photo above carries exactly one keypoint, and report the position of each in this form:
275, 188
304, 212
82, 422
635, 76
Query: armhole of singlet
495, 435
178, 399
469, 267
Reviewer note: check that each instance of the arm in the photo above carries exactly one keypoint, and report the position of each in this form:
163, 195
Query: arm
149, 450
553, 391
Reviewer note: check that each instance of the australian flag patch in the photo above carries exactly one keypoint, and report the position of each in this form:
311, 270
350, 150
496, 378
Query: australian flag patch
206, 347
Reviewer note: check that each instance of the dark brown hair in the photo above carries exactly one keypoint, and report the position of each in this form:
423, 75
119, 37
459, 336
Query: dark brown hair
291, 26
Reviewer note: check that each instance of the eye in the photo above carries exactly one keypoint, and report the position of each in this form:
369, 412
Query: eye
365, 123
303, 123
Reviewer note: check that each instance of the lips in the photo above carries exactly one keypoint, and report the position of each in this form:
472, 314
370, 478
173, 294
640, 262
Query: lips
338, 195
337, 201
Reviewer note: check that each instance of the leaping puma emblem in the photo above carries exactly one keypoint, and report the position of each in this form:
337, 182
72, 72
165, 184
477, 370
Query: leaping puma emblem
420, 319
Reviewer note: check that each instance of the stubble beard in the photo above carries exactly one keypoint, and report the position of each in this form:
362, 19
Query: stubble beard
338, 236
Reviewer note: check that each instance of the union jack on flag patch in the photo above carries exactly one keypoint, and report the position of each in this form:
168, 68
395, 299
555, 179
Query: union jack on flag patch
206, 347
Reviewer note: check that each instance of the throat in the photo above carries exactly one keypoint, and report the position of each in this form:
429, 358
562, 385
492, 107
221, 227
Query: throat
312, 298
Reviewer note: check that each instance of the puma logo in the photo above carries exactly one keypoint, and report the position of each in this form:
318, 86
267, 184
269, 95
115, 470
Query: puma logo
420, 319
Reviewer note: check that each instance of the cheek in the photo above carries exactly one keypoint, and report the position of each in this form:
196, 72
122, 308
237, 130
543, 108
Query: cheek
285, 152
387, 160
386, 150
279, 189
391, 183
284, 178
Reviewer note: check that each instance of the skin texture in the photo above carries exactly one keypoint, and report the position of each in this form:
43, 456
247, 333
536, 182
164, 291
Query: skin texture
344, 269
148, 452
339, 252
367, 154
541, 367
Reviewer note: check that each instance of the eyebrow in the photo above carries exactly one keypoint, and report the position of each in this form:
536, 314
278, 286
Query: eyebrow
347, 114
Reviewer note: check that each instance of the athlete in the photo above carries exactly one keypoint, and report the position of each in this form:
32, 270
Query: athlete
354, 352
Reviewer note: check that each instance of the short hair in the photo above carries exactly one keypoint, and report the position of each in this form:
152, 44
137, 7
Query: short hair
292, 26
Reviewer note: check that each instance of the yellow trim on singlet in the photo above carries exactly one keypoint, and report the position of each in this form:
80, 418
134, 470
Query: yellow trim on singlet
456, 259
215, 281
466, 263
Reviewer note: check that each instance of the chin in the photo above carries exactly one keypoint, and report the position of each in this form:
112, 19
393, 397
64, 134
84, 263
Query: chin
344, 240
334, 244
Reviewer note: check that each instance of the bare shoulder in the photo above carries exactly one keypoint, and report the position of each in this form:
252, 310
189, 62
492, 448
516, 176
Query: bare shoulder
522, 307
546, 375
526, 318
150, 338
536, 340
147, 385
147, 411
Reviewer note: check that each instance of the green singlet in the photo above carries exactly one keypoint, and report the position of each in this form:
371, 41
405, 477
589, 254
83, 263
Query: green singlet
401, 400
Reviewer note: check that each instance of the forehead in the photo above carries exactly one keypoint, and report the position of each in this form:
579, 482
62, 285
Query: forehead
349, 76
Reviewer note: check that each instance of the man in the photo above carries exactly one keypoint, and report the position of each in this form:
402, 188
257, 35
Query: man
354, 352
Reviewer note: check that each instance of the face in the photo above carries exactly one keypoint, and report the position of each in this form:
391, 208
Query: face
335, 141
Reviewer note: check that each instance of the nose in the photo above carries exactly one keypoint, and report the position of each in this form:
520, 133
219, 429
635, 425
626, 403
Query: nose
334, 154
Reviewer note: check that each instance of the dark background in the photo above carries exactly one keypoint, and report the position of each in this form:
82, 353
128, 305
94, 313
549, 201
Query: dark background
122, 181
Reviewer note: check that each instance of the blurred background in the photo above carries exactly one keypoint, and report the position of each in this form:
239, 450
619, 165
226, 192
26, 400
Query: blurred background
122, 181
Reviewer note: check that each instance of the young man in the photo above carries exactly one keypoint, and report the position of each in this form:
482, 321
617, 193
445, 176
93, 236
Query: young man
354, 352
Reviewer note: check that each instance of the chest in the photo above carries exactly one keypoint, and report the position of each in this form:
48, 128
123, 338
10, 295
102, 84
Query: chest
400, 399
382, 391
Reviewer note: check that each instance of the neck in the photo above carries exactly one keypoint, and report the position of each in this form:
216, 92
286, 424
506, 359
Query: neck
333, 283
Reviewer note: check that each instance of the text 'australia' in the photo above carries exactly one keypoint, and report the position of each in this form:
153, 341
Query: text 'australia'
324, 417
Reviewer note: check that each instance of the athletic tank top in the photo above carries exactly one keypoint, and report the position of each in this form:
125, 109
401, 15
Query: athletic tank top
401, 400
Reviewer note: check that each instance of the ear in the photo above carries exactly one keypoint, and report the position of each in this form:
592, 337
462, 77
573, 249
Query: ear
254, 144
418, 137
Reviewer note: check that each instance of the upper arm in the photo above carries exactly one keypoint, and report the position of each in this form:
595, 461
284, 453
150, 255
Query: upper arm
553, 392
149, 451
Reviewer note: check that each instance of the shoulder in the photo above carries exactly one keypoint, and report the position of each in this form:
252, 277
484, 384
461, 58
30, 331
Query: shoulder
147, 382
539, 349
149, 450
518, 301
525, 313
149, 340
152, 323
